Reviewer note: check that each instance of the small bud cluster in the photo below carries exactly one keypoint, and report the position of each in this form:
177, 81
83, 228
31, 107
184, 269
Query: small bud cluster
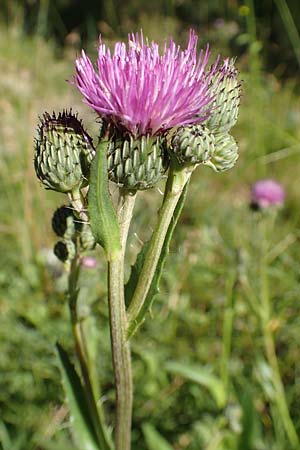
210, 143
75, 235
63, 154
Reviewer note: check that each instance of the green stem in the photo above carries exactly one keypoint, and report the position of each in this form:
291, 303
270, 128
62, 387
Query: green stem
229, 311
81, 351
269, 343
279, 388
177, 179
118, 326
77, 202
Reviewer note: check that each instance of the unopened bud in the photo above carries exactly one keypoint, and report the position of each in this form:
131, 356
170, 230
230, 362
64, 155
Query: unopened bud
87, 240
65, 250
64, 223
226, 153
136, 164
192, 144
63, 152
227, 90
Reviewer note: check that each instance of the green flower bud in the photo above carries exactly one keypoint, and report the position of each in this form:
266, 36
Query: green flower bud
136, 164
191, 144
63, 152
226, 153
65, 250
87, 240
227, 90
64, 223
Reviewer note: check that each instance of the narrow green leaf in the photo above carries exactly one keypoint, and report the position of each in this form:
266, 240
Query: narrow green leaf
135, 271
154, 439
247, 436
134, 274
83, 428
103, 218
201, 376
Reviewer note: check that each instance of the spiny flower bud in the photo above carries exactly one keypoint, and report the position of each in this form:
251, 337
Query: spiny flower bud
64, 222
227, 89
87, 240
136, 164
63, 152
65, 250
226, 153
192, 144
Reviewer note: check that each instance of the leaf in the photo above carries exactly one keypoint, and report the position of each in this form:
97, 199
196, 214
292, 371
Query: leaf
250, 423
83, 428
134, 274
201, 376
135, 271
103, 217
154, 439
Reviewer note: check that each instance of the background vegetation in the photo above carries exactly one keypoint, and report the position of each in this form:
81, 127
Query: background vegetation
205, 375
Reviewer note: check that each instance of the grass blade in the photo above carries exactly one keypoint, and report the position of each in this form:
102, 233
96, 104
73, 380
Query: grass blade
83, 429
154, 439
201, 376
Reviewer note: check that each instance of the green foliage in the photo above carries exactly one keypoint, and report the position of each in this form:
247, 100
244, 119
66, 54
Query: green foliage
104, 222
153, 439
137, 267
202, 376
85, 434
218, 234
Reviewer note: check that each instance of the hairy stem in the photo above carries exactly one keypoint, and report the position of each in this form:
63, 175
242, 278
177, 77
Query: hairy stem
118, 325
178, 177
81, 351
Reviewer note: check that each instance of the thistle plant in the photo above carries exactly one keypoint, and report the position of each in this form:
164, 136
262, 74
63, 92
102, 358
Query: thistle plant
162, 114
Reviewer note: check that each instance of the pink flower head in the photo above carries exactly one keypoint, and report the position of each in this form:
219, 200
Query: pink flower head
146, 92
266, 193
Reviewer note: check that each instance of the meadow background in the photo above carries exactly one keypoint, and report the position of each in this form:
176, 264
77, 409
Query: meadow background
226, 323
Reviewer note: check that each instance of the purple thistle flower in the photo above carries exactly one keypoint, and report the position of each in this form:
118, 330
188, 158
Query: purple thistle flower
265, 193
146, 92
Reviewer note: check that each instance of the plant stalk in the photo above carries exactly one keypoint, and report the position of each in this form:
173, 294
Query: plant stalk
118, 326
81, 351
269, 343
177, 179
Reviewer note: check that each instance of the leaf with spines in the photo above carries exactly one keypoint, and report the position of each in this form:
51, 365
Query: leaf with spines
103, 217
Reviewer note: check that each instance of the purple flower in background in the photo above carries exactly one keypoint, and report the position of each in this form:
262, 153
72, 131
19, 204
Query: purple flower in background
265, 193
88, 262
146, 92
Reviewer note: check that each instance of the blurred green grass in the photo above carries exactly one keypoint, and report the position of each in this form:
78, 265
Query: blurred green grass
217, 244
